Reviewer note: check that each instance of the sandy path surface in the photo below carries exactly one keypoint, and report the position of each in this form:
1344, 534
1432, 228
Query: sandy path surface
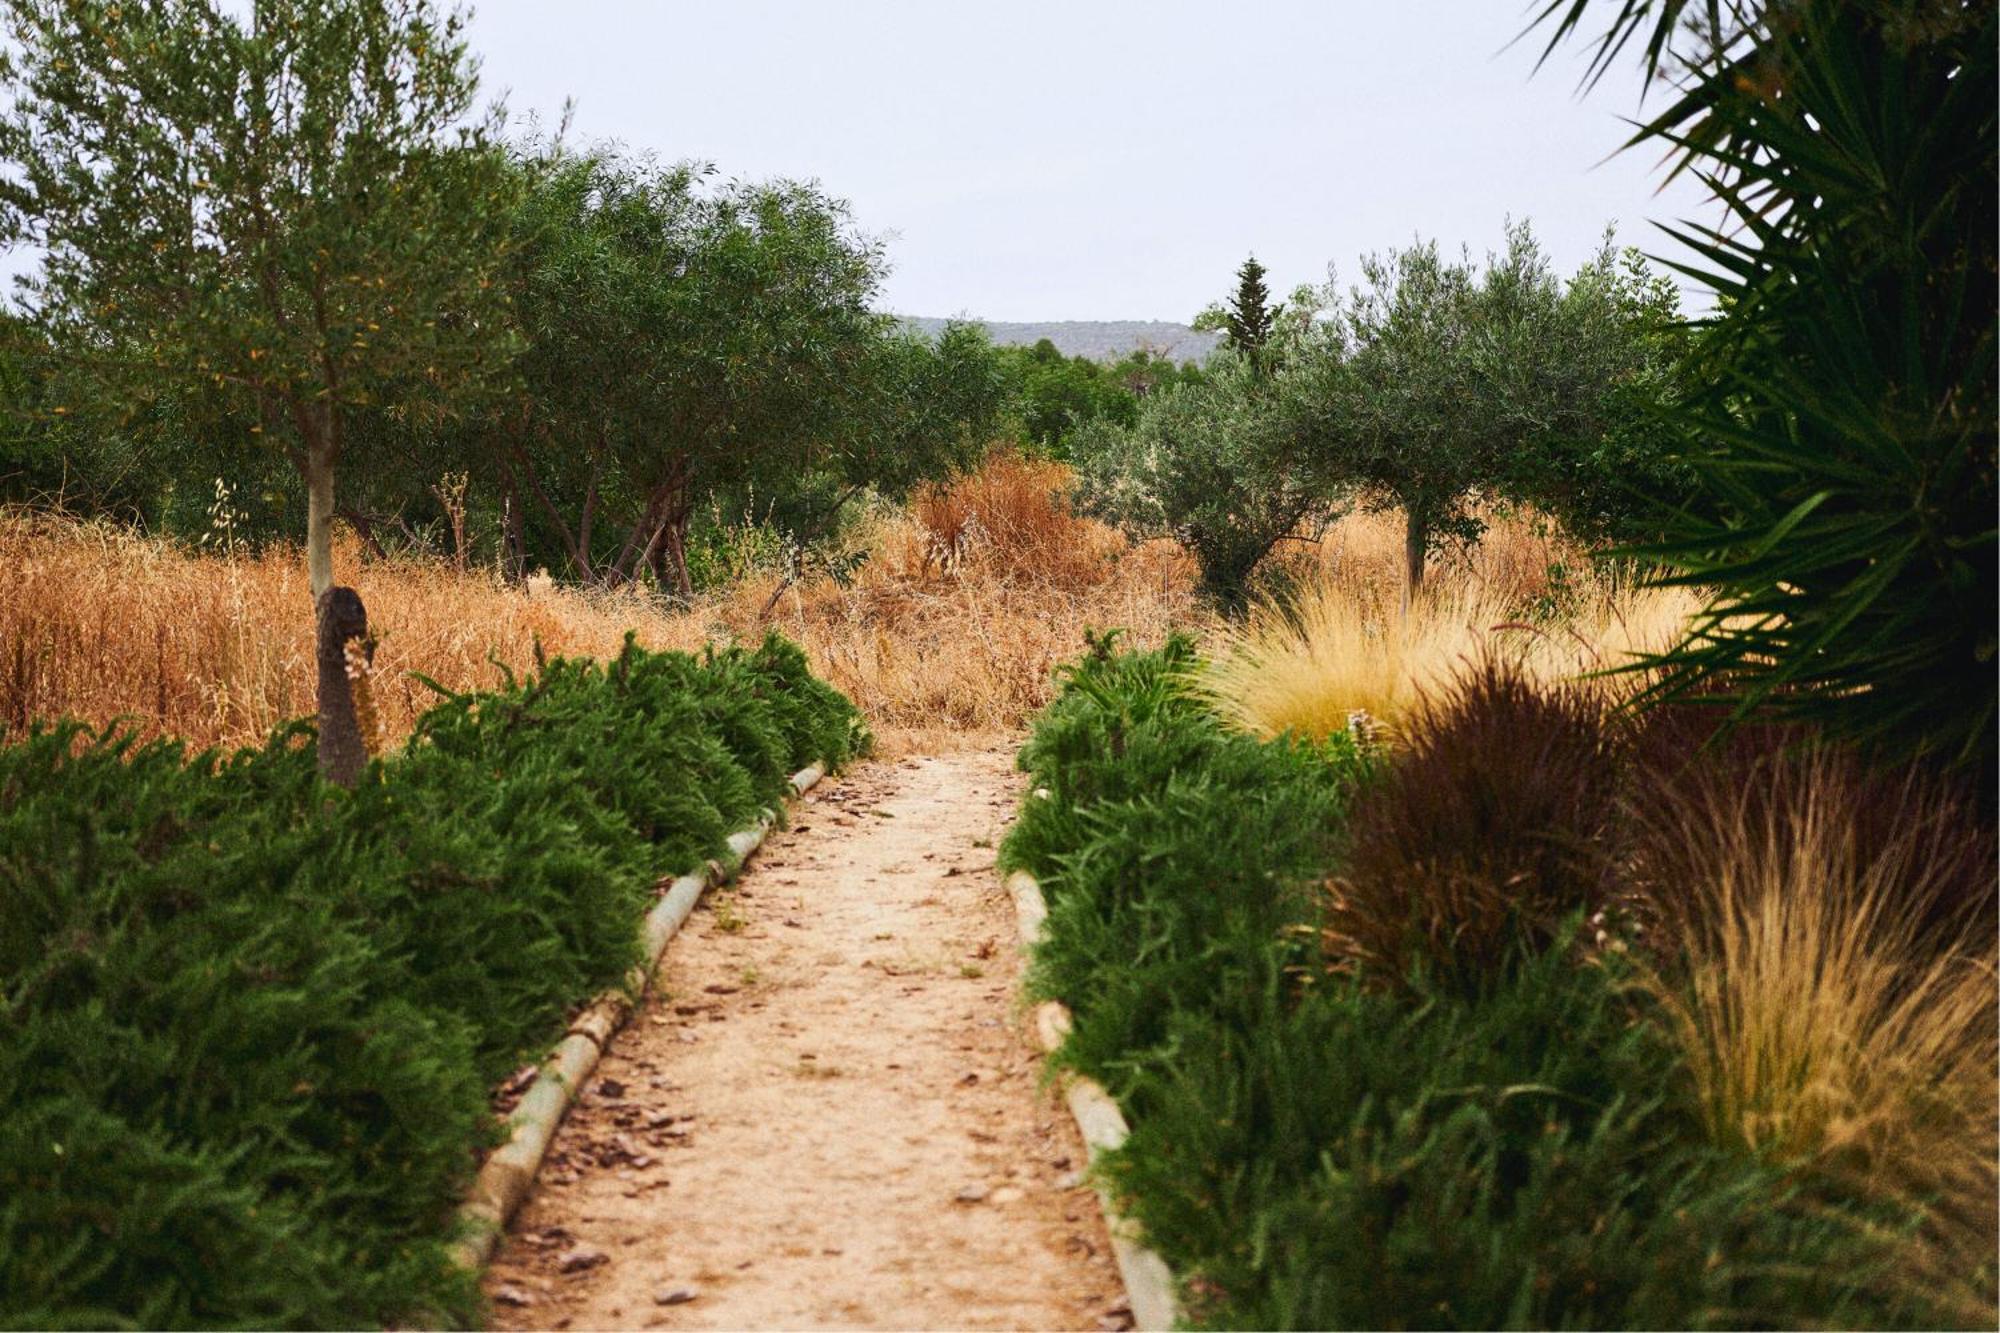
828, 1114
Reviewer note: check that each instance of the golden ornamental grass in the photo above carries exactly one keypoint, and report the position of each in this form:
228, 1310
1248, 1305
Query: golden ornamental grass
1338, 644
1837, 1005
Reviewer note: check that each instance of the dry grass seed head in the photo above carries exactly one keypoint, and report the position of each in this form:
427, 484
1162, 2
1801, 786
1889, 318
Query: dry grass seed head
1836, 997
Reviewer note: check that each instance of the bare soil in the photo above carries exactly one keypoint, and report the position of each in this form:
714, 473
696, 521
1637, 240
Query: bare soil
829, 1114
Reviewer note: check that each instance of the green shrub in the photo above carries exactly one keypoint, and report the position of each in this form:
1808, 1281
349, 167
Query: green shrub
1078, 754
219, 1106
248, 1022
1513, 1160
1171, 851
1208, 463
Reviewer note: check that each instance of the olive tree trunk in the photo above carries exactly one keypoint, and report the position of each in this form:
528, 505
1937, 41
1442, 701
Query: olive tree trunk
1416, 542
673, 552
319, 522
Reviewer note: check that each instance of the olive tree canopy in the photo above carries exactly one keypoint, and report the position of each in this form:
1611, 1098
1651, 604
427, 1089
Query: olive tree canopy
288, 215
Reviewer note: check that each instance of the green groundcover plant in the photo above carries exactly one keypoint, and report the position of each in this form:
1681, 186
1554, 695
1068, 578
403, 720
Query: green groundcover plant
1319, 1148
249, 1022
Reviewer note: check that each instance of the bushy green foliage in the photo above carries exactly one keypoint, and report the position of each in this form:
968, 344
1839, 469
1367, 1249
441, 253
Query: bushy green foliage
1053, 395
1208, 464
248, 1021
1158, 835
1349, 1159
1314, 1150
1436, 386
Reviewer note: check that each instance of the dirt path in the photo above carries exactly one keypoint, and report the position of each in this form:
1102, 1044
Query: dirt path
828, 1114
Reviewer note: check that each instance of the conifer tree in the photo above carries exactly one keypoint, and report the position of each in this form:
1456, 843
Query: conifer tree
1251, 316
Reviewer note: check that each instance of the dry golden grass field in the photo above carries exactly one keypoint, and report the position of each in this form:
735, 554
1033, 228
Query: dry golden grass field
949, 634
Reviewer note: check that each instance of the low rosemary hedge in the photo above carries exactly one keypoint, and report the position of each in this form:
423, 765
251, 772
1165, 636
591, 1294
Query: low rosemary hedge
249, 1022
1309, 1151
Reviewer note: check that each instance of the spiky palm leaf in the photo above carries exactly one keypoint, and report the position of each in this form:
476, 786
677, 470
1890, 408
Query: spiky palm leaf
1845, 432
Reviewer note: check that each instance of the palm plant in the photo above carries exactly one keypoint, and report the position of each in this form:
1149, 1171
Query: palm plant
1842, 423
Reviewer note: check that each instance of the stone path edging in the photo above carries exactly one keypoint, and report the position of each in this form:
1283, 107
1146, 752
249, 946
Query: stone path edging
1149, 1283
509, 1170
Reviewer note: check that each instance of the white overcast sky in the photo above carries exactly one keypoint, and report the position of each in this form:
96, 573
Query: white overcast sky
1102, 159
1096, 160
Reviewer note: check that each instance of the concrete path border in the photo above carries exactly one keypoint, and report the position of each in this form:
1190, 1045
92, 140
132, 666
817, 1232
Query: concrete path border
1149, 1283
508, 1172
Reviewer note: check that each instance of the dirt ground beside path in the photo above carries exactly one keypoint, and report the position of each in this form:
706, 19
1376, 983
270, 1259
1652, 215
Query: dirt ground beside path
829, 1112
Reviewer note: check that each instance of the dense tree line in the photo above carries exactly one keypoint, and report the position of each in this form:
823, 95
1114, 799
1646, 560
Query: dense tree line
286, 245
289, 245
1050, 396
1434, 383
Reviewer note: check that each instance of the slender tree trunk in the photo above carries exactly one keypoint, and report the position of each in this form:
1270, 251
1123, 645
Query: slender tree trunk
338, 615
1416, 541
640, 540
578, 558
650, 559
673, 545
319, 519
514, 542
583, 525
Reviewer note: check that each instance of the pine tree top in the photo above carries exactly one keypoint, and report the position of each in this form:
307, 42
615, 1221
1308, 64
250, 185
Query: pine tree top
1251, 316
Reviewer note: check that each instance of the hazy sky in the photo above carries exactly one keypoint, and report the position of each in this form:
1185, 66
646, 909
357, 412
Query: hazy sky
1097, 160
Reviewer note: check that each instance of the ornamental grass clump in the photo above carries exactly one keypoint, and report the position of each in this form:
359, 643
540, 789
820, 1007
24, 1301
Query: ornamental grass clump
1334, 639
1488, 1120
1308, 662
1831, 984
1488, 832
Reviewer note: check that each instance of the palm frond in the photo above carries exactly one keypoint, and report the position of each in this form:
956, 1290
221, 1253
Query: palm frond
1842, 427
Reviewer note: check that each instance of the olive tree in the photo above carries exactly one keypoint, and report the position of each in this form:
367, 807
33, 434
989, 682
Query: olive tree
688, 339
680, 333
291, 212
1405, 396
1210, 463
1437, 382
1432, 385
1214, 459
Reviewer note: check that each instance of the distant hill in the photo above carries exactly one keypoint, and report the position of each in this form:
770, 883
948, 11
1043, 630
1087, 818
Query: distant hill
1099, 339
